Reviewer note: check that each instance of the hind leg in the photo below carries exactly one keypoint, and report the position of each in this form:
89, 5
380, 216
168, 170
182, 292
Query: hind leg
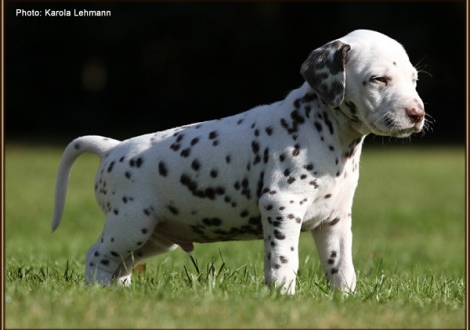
95, 271
125, 231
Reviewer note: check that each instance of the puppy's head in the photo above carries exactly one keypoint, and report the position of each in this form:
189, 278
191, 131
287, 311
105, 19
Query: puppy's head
369, 77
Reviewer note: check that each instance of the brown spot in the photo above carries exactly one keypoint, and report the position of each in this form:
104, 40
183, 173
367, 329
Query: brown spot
296, 151
162, 169
213, 135
314, 183
185, 152
173, 209
334, 221
279, 235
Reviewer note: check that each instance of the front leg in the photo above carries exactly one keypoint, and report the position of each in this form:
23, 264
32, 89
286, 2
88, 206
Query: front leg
281, 229
333, 239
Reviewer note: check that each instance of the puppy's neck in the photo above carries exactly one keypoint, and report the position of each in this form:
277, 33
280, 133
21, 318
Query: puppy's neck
338, 126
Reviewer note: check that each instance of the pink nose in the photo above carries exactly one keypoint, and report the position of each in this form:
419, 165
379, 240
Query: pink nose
416, 114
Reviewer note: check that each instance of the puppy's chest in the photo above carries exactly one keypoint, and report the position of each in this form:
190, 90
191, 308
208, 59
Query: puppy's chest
332, 199
322, 176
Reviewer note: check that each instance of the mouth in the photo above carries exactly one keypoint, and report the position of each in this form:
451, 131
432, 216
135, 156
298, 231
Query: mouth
395, 124
394, 130
388, 125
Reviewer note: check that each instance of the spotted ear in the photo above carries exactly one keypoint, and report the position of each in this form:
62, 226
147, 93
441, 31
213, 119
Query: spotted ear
324, 71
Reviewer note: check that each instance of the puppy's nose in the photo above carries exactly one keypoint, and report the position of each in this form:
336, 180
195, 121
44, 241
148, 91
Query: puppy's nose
416, 114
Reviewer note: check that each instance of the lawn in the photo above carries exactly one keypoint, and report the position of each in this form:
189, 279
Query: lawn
409, 253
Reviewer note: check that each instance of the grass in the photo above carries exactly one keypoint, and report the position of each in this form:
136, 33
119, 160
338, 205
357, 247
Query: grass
409, 253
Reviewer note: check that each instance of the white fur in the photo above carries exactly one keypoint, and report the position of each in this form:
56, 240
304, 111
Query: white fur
268, 173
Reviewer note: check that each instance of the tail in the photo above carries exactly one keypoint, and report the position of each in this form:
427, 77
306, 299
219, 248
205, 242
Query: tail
91, 143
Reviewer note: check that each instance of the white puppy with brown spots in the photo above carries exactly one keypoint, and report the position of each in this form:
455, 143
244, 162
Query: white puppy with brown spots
268, 173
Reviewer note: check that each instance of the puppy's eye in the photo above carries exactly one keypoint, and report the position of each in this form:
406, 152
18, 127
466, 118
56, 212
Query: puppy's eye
380, 80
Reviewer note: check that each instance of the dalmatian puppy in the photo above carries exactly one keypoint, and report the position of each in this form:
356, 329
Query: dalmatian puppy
267, 173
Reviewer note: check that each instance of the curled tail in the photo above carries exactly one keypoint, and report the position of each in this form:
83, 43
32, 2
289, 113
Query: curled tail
98, 145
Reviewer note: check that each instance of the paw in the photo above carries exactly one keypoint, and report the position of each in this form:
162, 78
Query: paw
343, 281
124, 280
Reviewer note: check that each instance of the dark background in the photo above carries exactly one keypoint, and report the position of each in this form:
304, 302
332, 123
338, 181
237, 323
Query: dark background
153, 66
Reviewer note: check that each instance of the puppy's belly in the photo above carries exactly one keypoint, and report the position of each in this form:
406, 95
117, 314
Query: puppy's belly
208, 230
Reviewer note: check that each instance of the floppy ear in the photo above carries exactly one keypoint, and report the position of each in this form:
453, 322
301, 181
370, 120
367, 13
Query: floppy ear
324, 71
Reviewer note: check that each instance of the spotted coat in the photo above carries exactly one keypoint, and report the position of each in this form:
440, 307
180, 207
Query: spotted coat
267, 173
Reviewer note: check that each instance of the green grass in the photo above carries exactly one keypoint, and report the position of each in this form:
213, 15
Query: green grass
409, 253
